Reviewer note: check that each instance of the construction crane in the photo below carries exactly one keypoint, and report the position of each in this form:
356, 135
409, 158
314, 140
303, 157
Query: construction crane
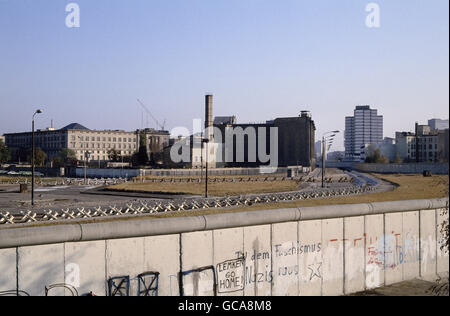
161, 126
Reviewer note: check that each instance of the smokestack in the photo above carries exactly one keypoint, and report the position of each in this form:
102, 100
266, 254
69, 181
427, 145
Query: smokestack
209, 113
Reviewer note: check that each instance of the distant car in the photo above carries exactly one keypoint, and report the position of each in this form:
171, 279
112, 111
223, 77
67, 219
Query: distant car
12, 173
39, 174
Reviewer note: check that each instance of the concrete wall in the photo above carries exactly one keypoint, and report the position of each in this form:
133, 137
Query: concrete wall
223, 171
107, 173
130, 173
332, 250
435, 168
408, 168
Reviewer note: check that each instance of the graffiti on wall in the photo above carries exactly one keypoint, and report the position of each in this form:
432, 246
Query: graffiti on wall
265, 267
231, 275
198, 282
148, 283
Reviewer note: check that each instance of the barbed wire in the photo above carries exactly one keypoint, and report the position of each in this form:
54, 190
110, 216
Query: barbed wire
157, 207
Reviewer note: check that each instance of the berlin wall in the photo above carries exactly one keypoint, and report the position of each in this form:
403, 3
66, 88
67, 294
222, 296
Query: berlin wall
329, 250
132, 173
405, 168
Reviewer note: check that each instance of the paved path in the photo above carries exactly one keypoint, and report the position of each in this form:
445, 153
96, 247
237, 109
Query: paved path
56, 198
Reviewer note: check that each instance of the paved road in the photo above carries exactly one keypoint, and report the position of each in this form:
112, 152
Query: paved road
57, 197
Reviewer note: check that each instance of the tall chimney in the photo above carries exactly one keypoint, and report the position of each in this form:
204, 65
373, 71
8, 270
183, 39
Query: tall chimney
209, 114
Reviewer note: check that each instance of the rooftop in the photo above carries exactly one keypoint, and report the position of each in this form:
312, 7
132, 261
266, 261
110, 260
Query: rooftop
75, 126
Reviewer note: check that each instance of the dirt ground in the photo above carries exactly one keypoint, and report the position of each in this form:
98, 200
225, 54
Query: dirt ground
224, 188
409, 288
214, 189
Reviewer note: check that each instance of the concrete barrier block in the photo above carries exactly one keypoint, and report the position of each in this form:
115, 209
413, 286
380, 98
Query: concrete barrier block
410, 252
85, 266
8, 275
428, 245
310, 258
229, 262
162, 254
258, 261
354, 249
393, 241
197, 261
40, 267
374, 239
285, 259
442, 252
333, 257
125, 257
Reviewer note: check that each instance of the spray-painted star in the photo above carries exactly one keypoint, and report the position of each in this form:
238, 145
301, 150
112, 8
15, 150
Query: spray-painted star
315, 269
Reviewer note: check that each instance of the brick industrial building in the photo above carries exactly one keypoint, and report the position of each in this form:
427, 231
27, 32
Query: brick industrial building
294, 143
296, 138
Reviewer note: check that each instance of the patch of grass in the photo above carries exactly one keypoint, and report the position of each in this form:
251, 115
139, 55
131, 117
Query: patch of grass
409, 187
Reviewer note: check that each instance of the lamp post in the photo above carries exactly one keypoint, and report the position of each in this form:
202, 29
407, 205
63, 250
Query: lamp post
206, 142
324, 140
32, 156
86, 155
201, 157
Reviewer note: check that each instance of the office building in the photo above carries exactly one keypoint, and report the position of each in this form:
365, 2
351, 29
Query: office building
425, 145
81, 140
438, 124
361, 130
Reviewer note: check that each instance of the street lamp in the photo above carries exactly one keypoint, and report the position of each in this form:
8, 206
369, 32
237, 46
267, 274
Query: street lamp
86, 155
32, 156
324, 140
206, 142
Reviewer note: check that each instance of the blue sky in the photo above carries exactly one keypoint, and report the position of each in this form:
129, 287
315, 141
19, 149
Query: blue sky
261, 59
